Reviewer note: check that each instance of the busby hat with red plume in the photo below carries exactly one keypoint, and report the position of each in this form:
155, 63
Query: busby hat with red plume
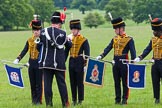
36, 24
58, 17
156, 24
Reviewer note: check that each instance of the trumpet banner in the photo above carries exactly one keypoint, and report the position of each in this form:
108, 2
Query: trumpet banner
136, 76
14, 76
94, 75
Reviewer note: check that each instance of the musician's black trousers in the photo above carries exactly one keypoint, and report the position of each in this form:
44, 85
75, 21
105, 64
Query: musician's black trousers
76, 72
156, 74
35, 77
48, 79
120, 73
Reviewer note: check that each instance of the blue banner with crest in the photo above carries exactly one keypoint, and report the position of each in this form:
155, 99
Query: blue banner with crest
136, 76
14, 76
94, 74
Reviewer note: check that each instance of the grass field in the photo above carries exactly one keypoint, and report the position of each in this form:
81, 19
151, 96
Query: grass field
13, 42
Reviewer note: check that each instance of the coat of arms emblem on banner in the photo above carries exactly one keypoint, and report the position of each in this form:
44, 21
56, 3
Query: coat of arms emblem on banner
94, 74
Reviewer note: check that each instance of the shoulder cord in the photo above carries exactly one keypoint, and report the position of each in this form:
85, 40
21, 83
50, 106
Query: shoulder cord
55, 39
54, 55
45, 53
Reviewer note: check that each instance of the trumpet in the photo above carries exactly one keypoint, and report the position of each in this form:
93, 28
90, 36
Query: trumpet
37, 40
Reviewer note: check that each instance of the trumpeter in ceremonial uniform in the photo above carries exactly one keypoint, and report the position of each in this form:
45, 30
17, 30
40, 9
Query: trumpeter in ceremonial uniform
80, 47
155, 44
122, 44
35, 75
52, 60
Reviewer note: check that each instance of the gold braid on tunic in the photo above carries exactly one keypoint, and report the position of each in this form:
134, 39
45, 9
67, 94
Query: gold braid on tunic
157, 47
77, 42
33, 48
119, 44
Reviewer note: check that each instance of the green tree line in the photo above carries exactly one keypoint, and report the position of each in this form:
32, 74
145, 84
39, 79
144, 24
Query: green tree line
137, 10
18, 13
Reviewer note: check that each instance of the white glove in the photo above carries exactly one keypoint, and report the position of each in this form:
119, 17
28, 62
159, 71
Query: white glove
113, 62
27, 64
152, 61
137, 59
98, 58
69, 37
16, 61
